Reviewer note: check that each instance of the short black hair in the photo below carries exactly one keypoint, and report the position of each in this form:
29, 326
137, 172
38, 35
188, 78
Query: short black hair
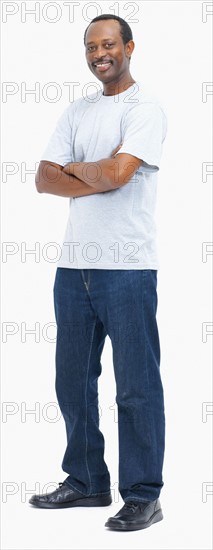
126, 31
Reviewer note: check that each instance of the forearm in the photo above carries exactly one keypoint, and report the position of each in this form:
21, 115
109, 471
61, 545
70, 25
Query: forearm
81, 189
101, 175
52, 179
105, 174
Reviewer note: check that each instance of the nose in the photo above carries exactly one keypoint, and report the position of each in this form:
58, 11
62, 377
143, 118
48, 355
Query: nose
100, 52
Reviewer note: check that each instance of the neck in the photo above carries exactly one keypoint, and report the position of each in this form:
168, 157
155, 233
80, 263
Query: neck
114, 88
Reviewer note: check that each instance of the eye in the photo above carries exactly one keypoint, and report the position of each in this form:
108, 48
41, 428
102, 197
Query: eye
109, 44
90, 48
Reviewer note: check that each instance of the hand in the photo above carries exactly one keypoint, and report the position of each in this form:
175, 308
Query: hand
116, 150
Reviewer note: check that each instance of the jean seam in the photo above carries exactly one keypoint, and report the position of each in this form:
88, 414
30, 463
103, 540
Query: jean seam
82, 275
147, 373
84, 280
88, 282
145, 338
144, 323
86, 419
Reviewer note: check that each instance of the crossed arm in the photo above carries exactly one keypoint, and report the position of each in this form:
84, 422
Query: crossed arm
79, 179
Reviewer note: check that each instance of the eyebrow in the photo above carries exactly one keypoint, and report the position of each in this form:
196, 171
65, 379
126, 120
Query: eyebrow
92, 42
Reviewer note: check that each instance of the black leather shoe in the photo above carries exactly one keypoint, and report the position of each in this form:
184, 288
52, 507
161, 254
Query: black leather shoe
136, 515
65, 497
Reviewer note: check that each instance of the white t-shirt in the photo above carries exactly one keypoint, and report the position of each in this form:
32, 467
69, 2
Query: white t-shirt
116, 229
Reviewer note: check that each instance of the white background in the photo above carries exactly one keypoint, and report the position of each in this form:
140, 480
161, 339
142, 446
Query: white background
173, 58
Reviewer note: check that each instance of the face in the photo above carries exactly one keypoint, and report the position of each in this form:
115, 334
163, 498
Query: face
106, 54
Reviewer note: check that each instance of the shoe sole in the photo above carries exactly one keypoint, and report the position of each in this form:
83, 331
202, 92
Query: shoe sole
88, 501
157, 516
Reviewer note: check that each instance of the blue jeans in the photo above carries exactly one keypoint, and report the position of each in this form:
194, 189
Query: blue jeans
89, 305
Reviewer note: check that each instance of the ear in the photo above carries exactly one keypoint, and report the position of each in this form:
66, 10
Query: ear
129, 47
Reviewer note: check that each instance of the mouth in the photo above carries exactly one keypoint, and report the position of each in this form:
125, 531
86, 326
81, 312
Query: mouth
102, 66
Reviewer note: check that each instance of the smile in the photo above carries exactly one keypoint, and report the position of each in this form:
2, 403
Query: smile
102, 66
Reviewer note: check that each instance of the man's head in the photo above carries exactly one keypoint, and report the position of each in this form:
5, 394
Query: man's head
109, 44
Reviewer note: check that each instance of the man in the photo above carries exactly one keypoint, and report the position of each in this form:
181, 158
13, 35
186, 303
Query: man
104, 155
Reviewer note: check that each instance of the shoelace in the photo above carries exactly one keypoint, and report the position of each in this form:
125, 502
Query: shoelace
130, 505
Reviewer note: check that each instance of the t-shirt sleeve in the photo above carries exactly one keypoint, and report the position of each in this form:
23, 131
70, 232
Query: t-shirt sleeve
59, 147
144, 130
